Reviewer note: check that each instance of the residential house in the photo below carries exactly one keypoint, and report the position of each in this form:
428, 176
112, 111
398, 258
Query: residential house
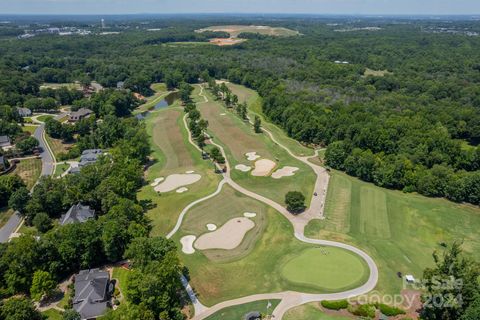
120, 84
78, 213
88, 156
4, 165
79, 114
24, 112
92, 293
5, 143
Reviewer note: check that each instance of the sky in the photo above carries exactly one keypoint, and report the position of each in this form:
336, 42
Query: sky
376, 7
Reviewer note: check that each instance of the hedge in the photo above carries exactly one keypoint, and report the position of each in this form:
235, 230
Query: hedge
335, 305
388, 310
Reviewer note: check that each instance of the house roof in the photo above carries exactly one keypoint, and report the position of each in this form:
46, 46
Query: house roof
77, 213
4, 140
82, 112
24, 112
89, 156
91, 294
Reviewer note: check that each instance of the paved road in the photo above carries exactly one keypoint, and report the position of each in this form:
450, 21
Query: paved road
289, 299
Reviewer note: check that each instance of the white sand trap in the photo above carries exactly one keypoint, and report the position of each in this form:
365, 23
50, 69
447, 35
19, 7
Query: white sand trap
223, 114
182, 190
249, 214
189, 172
157, 181
263, 168
187, 244
243, 168
284, 172
252, 156
227, 237
211, 227
176, 181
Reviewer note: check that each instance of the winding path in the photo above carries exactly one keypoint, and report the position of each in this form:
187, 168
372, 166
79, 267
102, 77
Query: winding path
289, 299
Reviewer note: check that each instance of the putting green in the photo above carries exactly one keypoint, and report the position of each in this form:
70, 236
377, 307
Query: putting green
326, 268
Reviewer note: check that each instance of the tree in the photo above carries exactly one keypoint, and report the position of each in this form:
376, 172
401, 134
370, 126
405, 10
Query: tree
71, 314
19, 199
142, 251
216, 155
27, 145
42, 285
295, 201
257, 125
19, 309
42, 222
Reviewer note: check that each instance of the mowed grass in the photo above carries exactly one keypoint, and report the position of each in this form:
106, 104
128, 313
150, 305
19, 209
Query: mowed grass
316, 267
173, 153
29, 129
238, 312
261, 270
53, 314
121, 275
29, 170
60, 168
235, 30
400, 231
44, 117
311, 311
237, 137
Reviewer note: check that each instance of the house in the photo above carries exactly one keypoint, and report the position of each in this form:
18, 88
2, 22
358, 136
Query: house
79, 114
92, 293
120, 84
5, 142
4, 165
89, 156
78, 213
24, 112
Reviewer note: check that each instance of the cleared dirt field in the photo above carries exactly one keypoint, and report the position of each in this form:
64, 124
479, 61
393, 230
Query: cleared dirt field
235, 30
29, 170
226, 42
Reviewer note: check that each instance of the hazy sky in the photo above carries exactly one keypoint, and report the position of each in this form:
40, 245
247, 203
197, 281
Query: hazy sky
242, 6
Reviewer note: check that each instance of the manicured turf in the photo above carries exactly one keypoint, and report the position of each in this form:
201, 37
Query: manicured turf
29, 170
258, 272
61, 168
311, 311
238, 138
121, 275
238, 312
44, 117
173, 154
235, 30
29, 129
326, 268
53, 314
400, 231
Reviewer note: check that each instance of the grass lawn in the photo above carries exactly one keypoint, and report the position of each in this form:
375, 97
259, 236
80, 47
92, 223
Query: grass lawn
121, 275
61, 168
58, 146
400, 231
375, 73
29, 170
29, 129
311, 311
238, 312
5, 214
69, 85
261, 270
173, 154
44, 117
238, 138
53, 314
235, 30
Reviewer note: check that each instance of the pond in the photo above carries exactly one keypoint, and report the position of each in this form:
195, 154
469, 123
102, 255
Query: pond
167, 101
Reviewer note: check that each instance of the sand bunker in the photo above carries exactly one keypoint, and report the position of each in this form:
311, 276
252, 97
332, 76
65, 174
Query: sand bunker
211, 227
227, 237
157, 181
182, 190
189, 172
243, 168
249, 214
252, 156
176, 181
223, 114
263, 168
187, 244
284, 172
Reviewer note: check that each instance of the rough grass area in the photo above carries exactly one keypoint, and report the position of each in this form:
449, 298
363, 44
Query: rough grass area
60, 168
29, 129
5, 214
172, 153
238, 312
312, 311
58, 146
237, 137
44, 117
375, 73
53, 314
259, 272
235, 30
29, 170
317, 267
69, 85
400, 231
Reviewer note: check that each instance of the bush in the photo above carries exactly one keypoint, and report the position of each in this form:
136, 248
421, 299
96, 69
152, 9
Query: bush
295, 201
364, 310
335, 305
388, 310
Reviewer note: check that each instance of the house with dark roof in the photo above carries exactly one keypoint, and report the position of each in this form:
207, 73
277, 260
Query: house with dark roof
24, 112
80, 114
4, 165
5, 142
78, 213
92, 293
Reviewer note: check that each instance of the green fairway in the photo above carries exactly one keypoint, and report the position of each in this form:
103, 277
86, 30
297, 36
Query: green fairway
238, 312
260, 269
326, 268
173, 153
311, 311
400, 231
237, 138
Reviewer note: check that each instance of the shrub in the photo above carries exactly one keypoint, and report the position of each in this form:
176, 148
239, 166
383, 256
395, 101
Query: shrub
335, 305
388, 310
364, 310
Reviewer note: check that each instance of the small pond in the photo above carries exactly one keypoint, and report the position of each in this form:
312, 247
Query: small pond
167, 101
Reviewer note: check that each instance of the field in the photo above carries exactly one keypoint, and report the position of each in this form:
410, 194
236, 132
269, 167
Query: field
29, 129
400, 231
311, 311
59, 85
58, 146
238, 138
375, 73
238, 312
29, 170
172, 153
235, 30
261, 270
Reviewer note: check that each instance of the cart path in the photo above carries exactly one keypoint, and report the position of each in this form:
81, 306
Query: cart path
289, 299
